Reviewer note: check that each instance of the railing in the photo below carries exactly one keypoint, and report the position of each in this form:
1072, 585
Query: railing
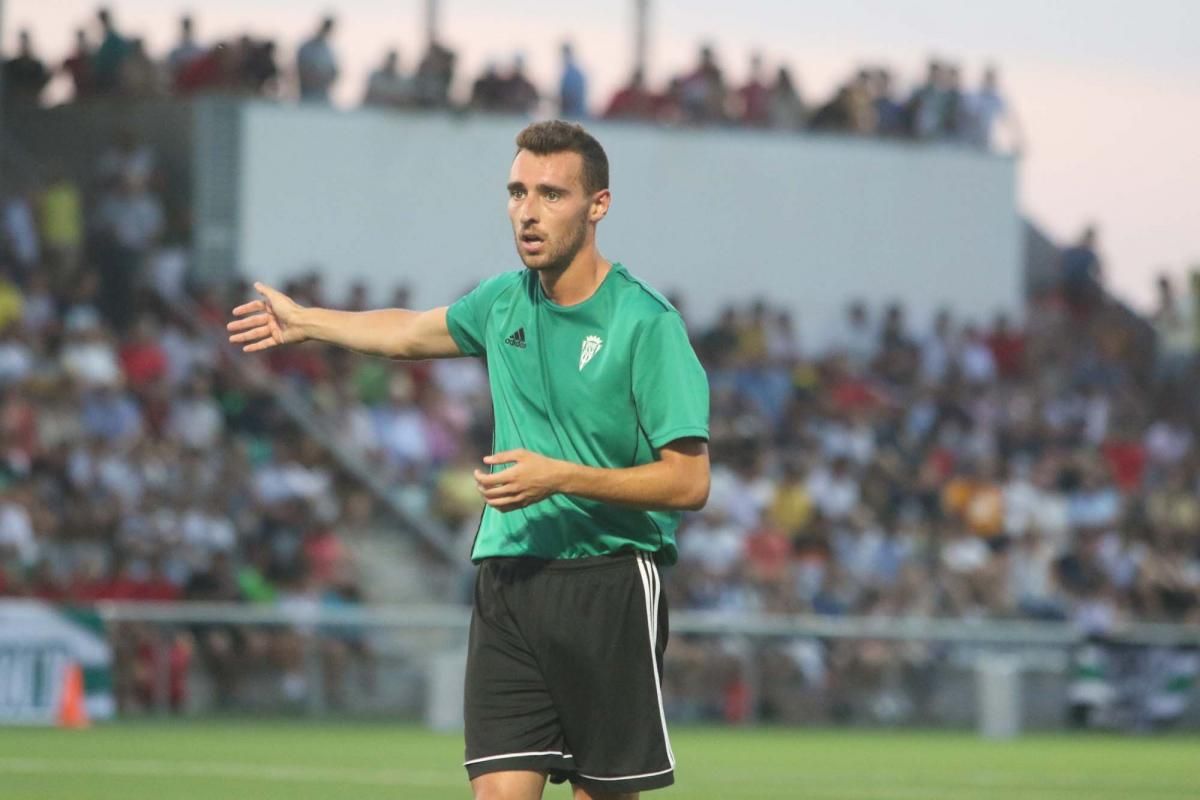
759, 626
1000, 676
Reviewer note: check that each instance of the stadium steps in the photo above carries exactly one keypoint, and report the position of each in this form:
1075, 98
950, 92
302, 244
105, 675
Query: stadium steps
395, 570
433, 538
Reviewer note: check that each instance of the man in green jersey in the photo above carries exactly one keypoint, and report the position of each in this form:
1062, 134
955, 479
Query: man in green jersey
601, 429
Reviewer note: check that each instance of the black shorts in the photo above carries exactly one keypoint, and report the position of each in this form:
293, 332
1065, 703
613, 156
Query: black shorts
564, 672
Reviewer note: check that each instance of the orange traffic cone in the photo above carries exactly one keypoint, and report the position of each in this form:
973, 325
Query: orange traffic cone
72, 713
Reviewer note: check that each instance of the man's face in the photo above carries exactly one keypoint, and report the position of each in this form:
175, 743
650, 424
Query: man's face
549, 208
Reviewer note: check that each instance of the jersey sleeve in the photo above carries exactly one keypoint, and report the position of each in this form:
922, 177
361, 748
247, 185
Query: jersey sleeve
467, 316
670, 388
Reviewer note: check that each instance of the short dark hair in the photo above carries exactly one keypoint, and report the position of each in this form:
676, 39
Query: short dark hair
556, 136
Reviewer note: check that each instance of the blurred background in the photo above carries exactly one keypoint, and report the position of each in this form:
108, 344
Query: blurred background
940, 260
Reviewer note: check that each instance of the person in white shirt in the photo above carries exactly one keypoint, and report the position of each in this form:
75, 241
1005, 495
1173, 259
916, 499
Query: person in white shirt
858, 341
317, 66
975, 358
186, 51
984, 109
387, 87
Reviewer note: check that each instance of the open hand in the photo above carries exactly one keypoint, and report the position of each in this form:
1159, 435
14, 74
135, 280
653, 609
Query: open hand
266, 323
531, 478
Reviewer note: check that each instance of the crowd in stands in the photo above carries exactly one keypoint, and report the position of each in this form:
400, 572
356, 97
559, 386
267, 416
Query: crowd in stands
110, 62
135, 463
1045, 468
1041, 469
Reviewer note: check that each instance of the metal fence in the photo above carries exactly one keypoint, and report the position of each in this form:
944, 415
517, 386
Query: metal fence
406, 662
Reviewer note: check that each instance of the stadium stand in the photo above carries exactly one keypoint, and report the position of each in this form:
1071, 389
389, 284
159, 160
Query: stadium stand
110, 62
1041, 468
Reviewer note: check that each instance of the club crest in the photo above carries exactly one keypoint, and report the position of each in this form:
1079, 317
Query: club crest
591, 346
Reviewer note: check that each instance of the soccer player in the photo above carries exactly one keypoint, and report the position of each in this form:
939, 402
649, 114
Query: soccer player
601, 430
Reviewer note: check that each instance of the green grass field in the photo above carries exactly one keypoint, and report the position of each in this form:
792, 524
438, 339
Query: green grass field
297, 761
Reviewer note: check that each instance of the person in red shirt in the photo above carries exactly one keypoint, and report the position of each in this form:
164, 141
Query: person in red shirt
157, 587
18, 424
142, 358
768, 552
213, 70
1008, 348
1125, 453
754, 99
122, 585
632, 101
79, 66
324, 553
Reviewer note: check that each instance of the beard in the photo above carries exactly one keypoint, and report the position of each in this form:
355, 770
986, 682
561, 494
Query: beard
556, 257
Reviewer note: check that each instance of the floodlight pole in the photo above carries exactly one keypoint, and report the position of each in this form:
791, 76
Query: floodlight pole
431, 20
641, 13
3, 53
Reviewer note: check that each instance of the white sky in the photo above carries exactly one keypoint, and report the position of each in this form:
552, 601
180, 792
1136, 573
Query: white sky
1108, 91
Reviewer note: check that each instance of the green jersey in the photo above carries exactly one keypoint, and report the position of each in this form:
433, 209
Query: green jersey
604, 383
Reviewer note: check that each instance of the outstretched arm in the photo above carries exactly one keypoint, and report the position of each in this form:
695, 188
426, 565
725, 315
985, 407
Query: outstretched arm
678, 481
391, 332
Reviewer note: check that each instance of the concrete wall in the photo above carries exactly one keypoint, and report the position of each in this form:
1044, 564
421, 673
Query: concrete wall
715, 215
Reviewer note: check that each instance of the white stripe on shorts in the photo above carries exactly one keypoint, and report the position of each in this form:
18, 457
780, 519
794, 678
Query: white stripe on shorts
518, 755
649, 575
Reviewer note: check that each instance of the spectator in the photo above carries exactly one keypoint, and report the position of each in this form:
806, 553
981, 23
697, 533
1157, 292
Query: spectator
139, 77
127, 159
25, 76
259, 72
938, 350
185, 52
18, 230
1008, 348
387, 88
519, 95
195, 420
985, 108
143, 360
106, 65
785, 108
860, 105
572, 87
976, 362
955, 125
702, 92
316, 65
79, 65
60, 217
926, 110
213, 70
632, 101
487, 93
754, 98
1175, 333
129, 221
1081, 275
88, 355
857, 341
17, 534
834, 115
131, 216
889, 114
435, 73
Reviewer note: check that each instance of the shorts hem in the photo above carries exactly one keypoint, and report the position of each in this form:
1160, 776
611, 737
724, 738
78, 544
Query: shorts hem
533, 763
638, 783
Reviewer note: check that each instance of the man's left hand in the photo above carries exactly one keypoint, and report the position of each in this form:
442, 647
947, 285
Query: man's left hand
530, 479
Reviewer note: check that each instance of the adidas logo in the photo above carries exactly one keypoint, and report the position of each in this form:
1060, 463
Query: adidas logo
517, 339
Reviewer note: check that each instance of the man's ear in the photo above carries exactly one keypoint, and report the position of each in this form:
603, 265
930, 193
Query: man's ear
599, 207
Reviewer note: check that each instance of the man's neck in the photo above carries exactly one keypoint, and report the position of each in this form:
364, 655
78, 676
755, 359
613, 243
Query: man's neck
576, 282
